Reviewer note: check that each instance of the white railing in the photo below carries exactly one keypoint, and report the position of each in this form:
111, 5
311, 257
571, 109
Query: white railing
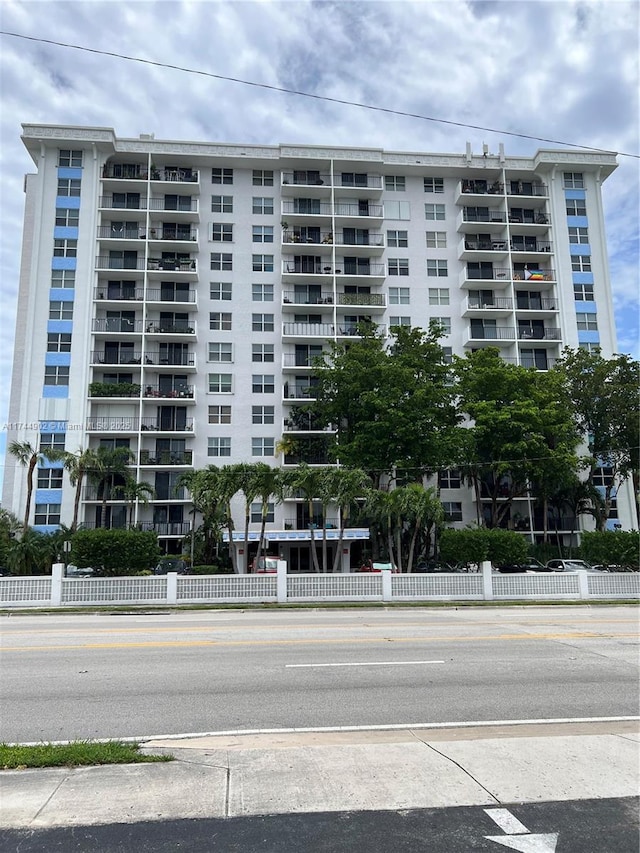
55, 590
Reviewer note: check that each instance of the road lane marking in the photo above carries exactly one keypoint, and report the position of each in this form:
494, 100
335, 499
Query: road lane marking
159, 644
382, 727
518, 837
506, 821
363, 663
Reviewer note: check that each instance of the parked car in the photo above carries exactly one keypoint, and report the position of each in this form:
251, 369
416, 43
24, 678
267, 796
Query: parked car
171, 564
523, 567
264, 566
369, 566
73, 571
572, 566
433, 566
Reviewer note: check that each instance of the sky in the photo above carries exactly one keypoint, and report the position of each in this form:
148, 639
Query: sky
565, 70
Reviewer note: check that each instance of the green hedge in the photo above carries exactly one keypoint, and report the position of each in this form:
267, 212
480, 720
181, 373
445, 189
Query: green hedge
211, 570
473, 545
115, 552
611, 547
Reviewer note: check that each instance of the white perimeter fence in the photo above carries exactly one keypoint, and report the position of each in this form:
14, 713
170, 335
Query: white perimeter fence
171, 589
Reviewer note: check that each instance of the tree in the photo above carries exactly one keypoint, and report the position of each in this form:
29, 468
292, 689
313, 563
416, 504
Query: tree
603, 394
76, 465
349, 484
393, 404
307, 481
520, 430
29, 554
105, 467
203, 486
30, 457
134, 492
267, 482
115, 552
420, 510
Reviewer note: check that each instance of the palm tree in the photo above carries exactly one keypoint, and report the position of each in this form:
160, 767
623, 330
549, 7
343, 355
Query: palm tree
349, 484
421, 508
77, 465
247, 482
268, 483
306, 480
134, 492
29, 457
107, 464
203, 486
381, 508
28, 553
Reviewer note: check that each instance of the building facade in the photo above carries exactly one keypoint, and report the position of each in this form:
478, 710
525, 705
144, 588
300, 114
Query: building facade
174, 294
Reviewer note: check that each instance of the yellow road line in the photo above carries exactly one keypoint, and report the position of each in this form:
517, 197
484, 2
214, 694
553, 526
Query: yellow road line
317, 641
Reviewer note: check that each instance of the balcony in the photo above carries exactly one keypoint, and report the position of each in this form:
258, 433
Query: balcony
295, 298
114, 389
528, 221
298, 391
537, 363
533, 247
122, 201
113, 424
480, 304
492, 221
363, 300
305, 422
181, 265
162, 358
306, 178
111, 325
358, 181
359, 267
106, 262
303, 265
298, 524
128, 357
169, 233
164, 458
496, 335
362, 241
308, 330
118, 293
166, 424
474, 248
113, 232
173, 328
171, 295
531, 303
530, 189
166, 528
182, 208
485, 192
351, 330
307, 236
533, 275
471, 277
180, 391
303, 209
292, 361
536, 333
183, 175
358, 210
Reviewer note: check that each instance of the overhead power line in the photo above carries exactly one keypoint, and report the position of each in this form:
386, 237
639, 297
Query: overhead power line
314, 96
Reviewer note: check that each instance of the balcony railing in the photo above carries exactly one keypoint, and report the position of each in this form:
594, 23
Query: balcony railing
183, 205
114, 324
488, 274
111, 203
492, 333
297, 391
351, 330
356, 210
306, 423
114, 389
325, 297
373, 238
527, 189
302, 207
161, 425
368, 299
499, 303
529, 218
163, 359
304, 265
172, 264
322, 237
363, 181
306, 178
534, 275
166, 457
482, 187
106, 424
119, 294
170, 328
293, 359
541, 304
491, 216
157, 295
537, 363
123, 357
351, 269
109, 232
537, 246
178, 391
486, 245
107, 263
310, 330
294, 524
166, 528
538, 334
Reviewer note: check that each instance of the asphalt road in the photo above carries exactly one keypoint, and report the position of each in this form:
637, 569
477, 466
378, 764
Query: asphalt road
584, 826
95, 676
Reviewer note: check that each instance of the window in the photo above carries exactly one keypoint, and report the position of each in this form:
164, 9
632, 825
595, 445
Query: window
220, 291
70, 158
256, 513
262, 322
583, 293
262, 414
222, 232
576, 207
61, 310
434, 185
578, 235
262, 292
447, 355
67, 217
262, 177
49, 478
397, 210
438, 296
399, 296
51, 441
452, 510
219, 414
220, 383
573, 180
47, 514
262, 352
397, 239
587, 322
398, 266
219, 446
220, 351
399, 321
65, 248
589, 347
449, 479
222, 176
603, 476
262, 263
68, 186
263, 206
394, 183
436, 239
220, 321
581, 263
434, 211
262, 446
221, 261
58, 342
437, 268
262, 233
56, 375
263, 383
63, 278
221, 204
445, 322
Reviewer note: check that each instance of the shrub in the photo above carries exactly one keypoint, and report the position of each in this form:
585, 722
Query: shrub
215, 569
115, 552
474, 545
611, 547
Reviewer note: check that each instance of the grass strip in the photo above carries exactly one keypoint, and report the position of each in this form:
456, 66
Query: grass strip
80, 753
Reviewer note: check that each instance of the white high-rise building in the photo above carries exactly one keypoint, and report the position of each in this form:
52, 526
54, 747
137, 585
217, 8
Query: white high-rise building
173, 295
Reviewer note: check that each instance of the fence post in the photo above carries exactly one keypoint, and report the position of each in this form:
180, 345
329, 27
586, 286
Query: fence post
387, 593
487, 580
281, 582
583, 583
172, 587
57, 573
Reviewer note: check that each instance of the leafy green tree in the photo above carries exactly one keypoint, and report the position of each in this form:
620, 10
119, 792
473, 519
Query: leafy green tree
268, 484
76, 465
520, 430
611, 547
603, 394
134, 492
115, 552
29, 555
381, 508
9, 527
393, 404
308, 482
420, 511
349, 484
107, 468
203, 485
474, 545
30, 457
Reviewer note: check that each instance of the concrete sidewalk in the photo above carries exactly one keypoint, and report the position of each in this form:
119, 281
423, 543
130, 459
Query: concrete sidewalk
233, 776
